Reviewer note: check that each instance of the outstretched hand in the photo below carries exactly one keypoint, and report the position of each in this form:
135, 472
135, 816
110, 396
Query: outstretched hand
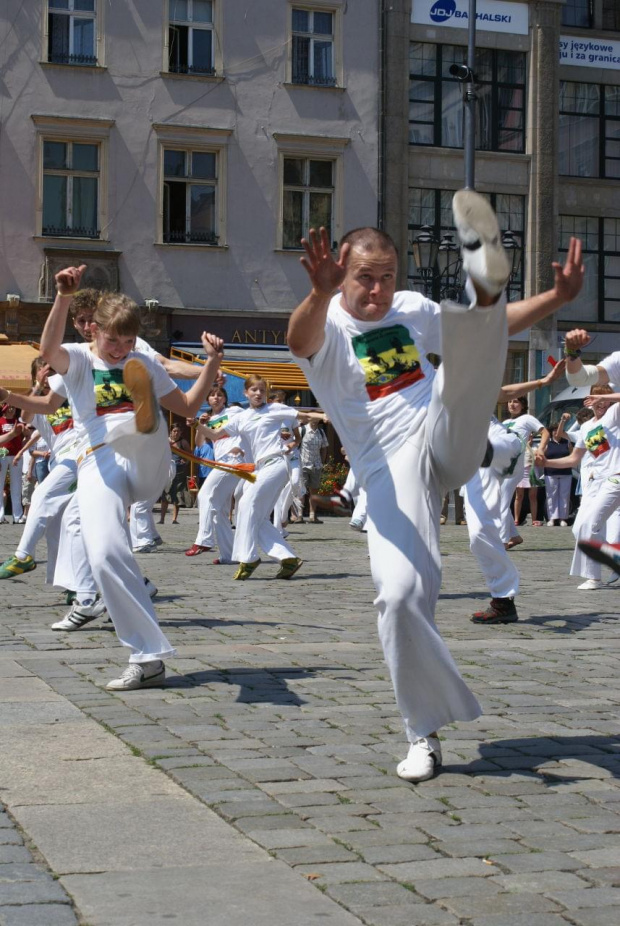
555, 373
326, 274
68, 280
213, 346
568, 279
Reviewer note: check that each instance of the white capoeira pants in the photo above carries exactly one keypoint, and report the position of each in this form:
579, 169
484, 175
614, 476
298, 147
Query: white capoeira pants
49, 500
214, 503
597, 519
508, 528
15, 476
404, 503
72, 567
557, 489
142, 523
133, 467
253, 527
483, 503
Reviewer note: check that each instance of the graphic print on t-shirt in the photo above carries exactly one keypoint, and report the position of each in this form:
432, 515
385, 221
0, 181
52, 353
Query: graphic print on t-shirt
62, 419
389, 358
111, 395
596, 441
219, 421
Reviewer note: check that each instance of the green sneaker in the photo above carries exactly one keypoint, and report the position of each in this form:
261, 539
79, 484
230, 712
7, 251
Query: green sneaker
245, 570
16, 567
288, 567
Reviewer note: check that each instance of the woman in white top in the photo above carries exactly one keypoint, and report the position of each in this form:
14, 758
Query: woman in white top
124, 455
522, 424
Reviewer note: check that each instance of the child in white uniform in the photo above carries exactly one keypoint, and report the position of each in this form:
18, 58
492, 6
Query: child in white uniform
124, 456
524, 425
215, 496
261, 424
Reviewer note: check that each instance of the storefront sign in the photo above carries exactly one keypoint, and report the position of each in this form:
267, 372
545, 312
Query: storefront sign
589, 53
491, 15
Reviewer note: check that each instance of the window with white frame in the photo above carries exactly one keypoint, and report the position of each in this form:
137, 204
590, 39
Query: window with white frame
308, 198
190, 37
71, 176
312, 47
72, 32
190, 208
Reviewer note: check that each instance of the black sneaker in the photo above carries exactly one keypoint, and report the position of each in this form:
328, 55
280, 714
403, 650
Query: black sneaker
499, 611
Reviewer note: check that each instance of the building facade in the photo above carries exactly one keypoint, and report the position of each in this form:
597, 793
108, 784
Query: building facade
180, 149
547, 82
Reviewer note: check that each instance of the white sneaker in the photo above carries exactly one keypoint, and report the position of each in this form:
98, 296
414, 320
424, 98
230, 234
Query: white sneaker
139, 675
80, 614
356, 525
484, 258
423, 759
563, 523
145, 548
590, 585
21, 520
550, 523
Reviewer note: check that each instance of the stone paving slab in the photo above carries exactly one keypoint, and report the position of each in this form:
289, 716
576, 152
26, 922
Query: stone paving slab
278, 717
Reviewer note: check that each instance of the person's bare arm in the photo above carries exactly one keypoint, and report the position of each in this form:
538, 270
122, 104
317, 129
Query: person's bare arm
560, 433
186, 404
545, 437
567, 283
306, 327
67, 284
29, 443
514, 390
307, 417
179, 369
35, 404
573, 459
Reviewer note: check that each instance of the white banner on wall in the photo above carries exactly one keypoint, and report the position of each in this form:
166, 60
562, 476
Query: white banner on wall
589, 53
491, 15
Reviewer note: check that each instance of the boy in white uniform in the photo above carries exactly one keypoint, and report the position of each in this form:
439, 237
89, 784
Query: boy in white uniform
124, 456
410, 433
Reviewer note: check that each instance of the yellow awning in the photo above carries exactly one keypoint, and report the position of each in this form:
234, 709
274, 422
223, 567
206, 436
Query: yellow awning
278, 375
15, 361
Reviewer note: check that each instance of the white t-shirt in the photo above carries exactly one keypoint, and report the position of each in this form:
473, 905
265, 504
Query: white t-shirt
374, 379
261, 426
600, 438
222, 448
97, 395
57, 428
611, 365
524, 425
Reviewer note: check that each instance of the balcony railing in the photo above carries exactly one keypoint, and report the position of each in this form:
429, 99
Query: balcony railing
58, 231
80, 60
314, 81
203, 70
195, 237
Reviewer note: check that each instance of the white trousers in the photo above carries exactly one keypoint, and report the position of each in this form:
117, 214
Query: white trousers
360, 512
142, 523
483, 507
72, 566
404, 502
253, 527
130, 467
508, 528
558, 496
49, 500
599, 505
214, 502
15, 477
282, 506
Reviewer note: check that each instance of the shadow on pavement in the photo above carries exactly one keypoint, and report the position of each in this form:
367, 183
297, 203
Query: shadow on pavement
541, 757
257, 686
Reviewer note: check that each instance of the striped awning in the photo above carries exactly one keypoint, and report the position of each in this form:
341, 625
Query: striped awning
280, 374
15, 361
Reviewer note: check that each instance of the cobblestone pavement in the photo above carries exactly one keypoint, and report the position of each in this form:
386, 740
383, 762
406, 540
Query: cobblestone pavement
279, 716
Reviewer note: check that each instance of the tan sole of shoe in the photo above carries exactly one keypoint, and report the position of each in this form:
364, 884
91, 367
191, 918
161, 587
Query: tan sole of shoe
136, 378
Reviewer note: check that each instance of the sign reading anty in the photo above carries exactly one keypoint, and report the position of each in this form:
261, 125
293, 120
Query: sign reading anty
491, 15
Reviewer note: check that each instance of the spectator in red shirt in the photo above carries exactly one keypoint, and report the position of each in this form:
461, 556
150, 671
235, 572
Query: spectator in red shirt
11, 441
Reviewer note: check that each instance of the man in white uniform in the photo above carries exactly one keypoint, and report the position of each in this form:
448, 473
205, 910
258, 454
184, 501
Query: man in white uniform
411, 433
